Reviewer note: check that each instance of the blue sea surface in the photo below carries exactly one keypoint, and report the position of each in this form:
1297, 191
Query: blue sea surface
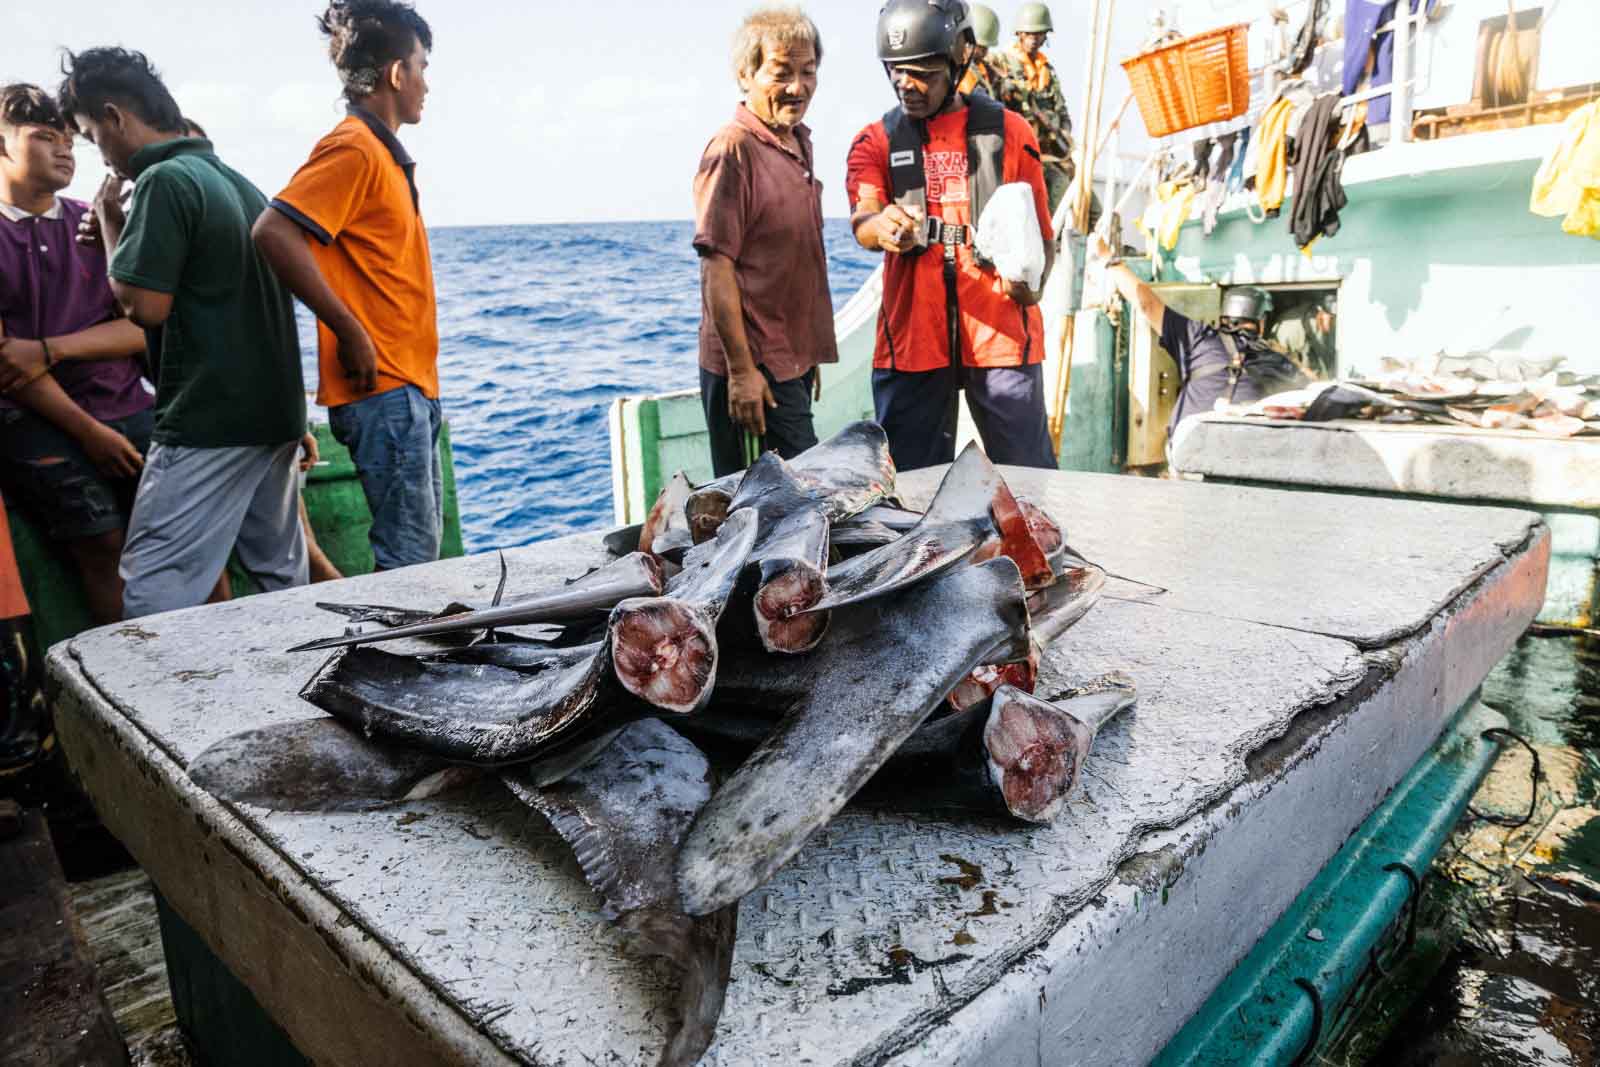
540, 329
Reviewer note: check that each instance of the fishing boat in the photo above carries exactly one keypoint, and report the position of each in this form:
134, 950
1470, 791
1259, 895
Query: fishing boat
1253, 836
1437, 253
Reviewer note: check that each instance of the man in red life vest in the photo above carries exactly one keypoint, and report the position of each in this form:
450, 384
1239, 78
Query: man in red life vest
918, 181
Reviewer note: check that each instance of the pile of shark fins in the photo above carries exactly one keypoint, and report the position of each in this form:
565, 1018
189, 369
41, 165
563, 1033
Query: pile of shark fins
764, 649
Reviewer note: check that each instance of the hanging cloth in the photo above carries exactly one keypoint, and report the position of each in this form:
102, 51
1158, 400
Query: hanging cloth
1163, 220
1310, 215
1272, 156
1305, 42
1568, 182
1364, 46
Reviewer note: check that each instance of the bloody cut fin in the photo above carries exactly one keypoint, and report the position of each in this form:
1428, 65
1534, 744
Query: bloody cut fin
1017, 539
625, 817
886, 666
1036, 749
849, 472
633, 575
706, 510
468, 712
664, 648
320, 765
1047, 533
666, 514
977, 687
785, 572
956, 524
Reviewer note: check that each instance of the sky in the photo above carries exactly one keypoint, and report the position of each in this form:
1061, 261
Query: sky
538, 112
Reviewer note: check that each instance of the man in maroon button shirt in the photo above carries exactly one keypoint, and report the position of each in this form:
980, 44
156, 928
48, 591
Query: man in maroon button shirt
75, 416
766, 314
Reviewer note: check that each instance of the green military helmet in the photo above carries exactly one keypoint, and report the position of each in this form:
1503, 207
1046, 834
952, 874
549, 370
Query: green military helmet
986, 26
1033, 18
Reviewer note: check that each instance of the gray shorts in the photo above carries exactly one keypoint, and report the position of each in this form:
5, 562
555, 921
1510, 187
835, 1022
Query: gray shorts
194, 506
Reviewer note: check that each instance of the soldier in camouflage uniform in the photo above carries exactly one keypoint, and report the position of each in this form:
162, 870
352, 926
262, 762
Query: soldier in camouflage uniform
1029, 85
983, 74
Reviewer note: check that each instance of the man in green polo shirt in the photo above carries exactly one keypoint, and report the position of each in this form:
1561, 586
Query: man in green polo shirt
230, 399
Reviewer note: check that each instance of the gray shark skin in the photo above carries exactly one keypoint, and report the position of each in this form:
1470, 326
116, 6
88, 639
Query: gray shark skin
320, 765
471, 712
785, 572
585, 598
625, 817
973, 514
664, 649
847, 473
868, 698
323, 765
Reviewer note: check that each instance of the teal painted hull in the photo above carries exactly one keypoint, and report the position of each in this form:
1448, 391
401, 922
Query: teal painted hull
1355, 908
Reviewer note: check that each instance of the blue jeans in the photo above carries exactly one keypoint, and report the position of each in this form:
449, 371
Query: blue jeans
393, 438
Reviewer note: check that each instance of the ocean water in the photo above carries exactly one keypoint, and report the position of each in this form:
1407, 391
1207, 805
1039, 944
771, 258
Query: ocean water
540, 329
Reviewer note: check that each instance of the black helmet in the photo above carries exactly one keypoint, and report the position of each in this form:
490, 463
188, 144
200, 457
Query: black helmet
921, 29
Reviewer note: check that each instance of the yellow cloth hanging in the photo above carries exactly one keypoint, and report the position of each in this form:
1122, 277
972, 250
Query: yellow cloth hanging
1568, 183
1163, 220
1272, 158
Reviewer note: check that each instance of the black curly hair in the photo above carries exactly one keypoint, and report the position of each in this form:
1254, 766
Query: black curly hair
101, 76
365, 36
22, 104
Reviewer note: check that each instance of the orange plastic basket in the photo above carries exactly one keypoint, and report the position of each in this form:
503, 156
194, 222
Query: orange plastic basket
1188, 83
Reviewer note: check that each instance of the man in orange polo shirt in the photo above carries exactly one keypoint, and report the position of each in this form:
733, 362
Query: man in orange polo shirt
917, 182
346, 236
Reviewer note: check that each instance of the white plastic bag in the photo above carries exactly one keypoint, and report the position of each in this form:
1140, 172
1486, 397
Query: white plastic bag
1008, 235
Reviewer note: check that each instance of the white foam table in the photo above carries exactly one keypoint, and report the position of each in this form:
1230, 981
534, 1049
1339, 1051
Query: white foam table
1457, 462
1308, 650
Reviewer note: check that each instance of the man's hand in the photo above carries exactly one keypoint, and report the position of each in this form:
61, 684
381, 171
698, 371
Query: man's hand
1100, 248
358, 357
20, 362
308, 452
896, 229
749, 397
1021, 295
111, 453
816, 383
89, 231
108, 209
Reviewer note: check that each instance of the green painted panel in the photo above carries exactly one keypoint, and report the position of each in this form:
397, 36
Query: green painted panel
681, 415
1430, 262
220, 1017
1088, 442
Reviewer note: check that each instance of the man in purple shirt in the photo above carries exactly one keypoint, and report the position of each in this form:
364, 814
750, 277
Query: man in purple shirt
75, 416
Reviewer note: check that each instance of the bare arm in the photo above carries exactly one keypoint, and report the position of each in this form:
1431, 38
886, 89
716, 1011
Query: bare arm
282, 244
111, 452
22, 361
1133, 289
146, 307
749, 396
